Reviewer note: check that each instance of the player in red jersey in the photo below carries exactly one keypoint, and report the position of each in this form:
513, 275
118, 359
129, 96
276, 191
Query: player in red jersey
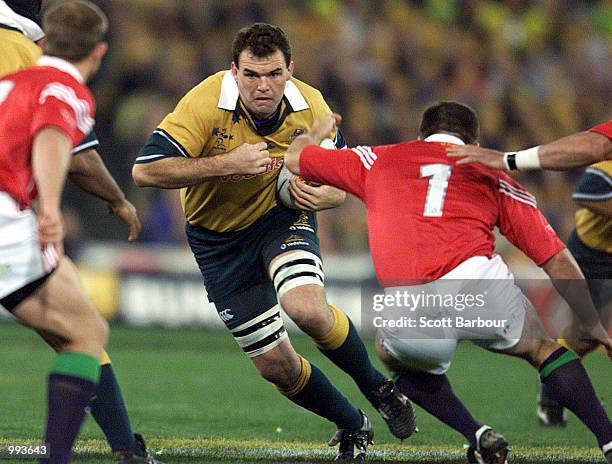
573, 151
45, 111
431, 227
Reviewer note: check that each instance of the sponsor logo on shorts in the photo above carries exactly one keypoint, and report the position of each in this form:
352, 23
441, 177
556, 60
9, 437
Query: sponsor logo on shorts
303, 223
294, 240
226, 315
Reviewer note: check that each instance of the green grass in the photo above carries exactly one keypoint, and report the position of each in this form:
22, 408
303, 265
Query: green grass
197, 398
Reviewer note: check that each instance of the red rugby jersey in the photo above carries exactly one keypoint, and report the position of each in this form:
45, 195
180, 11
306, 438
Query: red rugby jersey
40, 96
604, 129
426, 215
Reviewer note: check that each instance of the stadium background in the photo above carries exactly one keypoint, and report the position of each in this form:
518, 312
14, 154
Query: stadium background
534, 71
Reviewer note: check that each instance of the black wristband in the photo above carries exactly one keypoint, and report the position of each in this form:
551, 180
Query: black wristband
511, 161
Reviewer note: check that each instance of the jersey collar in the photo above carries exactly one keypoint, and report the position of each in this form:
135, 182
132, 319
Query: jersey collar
230, 94
445, 138
62, 65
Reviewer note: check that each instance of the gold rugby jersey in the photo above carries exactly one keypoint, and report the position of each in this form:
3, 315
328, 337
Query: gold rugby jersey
595, 230
17, 51
211, 120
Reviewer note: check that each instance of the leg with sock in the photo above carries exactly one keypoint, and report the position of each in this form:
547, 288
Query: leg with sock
344, 347
109, 411
72, 382
435, 394
568, 383
313, 391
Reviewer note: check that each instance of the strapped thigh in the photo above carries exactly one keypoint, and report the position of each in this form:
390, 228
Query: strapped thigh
294, 269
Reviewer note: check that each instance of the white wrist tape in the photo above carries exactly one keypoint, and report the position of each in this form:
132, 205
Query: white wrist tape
528, 159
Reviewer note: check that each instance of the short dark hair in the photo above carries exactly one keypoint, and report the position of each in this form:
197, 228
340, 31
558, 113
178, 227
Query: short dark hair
263, 40
73, 29
451, 116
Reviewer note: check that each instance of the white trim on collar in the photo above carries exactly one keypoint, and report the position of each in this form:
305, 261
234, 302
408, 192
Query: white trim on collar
62, 65
446, 138
230, 94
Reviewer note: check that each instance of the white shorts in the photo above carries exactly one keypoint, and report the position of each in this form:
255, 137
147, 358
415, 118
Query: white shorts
21, 261
430, 341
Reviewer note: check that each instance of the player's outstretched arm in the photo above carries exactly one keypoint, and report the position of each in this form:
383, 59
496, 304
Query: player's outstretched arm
569, 281
179, 172
51, 151
577, 150
88, 172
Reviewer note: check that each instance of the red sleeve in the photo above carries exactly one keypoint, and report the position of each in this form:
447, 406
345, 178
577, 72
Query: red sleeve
346, 169
603, 129
522, 223
59, 106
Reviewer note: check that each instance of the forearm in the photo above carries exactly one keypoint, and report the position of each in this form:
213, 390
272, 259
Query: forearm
292, 156
569, 281
51, 151
89, 173
178, 172
576, 150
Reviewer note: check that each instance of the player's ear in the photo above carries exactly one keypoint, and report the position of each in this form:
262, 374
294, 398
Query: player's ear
290, 68
234, 70
100, 50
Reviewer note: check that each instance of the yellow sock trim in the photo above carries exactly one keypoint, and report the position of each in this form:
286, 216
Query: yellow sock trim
336, 336
302, 380
104, 359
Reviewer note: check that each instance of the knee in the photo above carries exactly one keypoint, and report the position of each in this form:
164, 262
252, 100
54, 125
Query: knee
309, 312
282, 371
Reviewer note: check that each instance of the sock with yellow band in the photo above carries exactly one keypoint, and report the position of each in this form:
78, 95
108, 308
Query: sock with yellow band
109, 411
314, 392
345, 348
72, 382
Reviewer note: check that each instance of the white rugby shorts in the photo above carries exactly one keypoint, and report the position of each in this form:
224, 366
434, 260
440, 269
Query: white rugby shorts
21, 260
431, 349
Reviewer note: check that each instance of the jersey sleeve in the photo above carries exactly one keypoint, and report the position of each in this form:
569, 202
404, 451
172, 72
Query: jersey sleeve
596, 183
346, 169
603, 129
187, 128
90, 142
522, 223
59, 106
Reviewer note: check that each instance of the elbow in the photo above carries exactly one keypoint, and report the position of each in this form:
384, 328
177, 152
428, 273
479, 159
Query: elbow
598, 149
562, 266
141, 176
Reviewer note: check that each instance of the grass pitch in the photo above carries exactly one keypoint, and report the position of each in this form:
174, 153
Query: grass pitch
196, 398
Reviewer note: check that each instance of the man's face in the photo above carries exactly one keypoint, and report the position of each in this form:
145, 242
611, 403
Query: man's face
261, 81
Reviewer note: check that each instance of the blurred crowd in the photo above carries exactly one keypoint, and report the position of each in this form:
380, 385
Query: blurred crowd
534, 71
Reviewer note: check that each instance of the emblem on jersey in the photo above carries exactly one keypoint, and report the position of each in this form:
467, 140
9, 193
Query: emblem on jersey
296, 134
221, 138
303, 223
294, 240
